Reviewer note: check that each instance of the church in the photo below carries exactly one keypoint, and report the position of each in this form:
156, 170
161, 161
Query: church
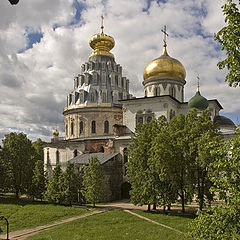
101, 114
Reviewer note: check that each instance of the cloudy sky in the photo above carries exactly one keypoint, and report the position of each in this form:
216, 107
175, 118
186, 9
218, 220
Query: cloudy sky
44, 42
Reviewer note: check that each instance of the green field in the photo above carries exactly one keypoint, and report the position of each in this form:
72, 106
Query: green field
117, 224
25, 214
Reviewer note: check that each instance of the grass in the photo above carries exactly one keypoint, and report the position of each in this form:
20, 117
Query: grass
179, 222
23, 214
117, 225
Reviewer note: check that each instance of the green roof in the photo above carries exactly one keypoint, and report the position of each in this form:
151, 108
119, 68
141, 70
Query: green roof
198, 102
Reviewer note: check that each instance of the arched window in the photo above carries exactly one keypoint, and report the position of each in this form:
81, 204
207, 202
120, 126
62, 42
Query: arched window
75, 153
57, 157
149, 119
140, 120
146, 93
157, 91
172, 91
104, 97
72, 128
125, 156
106, 127
93, 126
66, 130
92, 97
81, 97
81, 127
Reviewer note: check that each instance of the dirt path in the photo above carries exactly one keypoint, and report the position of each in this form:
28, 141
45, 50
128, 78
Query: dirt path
23, 234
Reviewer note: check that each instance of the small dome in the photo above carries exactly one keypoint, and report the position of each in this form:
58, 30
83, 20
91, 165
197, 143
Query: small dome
164, 66
55, 133
198, 102
224, 122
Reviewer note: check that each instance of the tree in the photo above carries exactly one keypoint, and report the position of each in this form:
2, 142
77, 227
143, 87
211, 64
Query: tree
170, 162
200, 131
143, 180
39, 180
53, 192
223, 221
38, 146
229, 37
69, 184
95, 187
19, 162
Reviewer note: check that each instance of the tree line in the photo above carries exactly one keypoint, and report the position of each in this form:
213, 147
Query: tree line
22, 172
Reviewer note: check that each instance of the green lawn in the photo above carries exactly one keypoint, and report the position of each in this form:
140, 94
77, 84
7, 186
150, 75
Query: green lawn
25, 214
178, 222
115, 225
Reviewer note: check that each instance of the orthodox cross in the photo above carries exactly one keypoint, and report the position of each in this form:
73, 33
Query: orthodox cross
102, 23
198, 80
165, 35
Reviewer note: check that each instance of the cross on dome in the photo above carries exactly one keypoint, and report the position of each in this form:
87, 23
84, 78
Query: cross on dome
102, 23
165, 35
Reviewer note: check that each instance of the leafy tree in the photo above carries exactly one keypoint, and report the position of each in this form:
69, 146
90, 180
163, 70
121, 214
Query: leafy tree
170, 162
95, 187
223, 221
19, 162
144, 182
2, 171
70, 183
229, 37
38, 146
200, 131
53, 192
39, 180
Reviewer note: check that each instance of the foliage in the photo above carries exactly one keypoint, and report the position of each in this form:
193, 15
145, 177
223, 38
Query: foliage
229, 37
18, 161
69, 184
38, 146
145, 184
95, 187
53, 192
39, 180
223, 223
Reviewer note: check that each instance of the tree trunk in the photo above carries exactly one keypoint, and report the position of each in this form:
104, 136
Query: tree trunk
154, 206
164, 207
94, 204
149, 207
183, 201
17, 193
169, 207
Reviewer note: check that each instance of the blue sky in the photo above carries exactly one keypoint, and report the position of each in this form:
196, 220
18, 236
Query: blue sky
43, 44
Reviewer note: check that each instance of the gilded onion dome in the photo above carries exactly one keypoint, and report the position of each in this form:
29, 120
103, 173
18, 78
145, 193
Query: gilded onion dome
164, 66
56, 133
102, 43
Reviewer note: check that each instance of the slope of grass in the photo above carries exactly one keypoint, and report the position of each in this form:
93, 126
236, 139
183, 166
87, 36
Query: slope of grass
26, 214
116, 224
180, 222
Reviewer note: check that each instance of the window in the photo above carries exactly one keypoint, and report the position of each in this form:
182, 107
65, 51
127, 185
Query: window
157, 91
92, 97
106, 127
172, 91
57, 157
72, 128
140, 119
66, 130
81, 97
75, 153
146, 93
81, 127
149, 119
93, 126
104, 97
48, 158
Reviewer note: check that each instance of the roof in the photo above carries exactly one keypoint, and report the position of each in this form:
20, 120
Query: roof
84, 158
223, 121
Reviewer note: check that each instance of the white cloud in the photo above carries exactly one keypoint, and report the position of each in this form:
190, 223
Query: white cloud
34, 82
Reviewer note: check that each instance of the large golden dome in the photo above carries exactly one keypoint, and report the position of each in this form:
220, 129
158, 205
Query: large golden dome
164, 66
102, 43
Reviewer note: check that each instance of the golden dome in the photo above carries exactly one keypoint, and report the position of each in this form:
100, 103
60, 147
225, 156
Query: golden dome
55, 133
164, 66
101, 43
